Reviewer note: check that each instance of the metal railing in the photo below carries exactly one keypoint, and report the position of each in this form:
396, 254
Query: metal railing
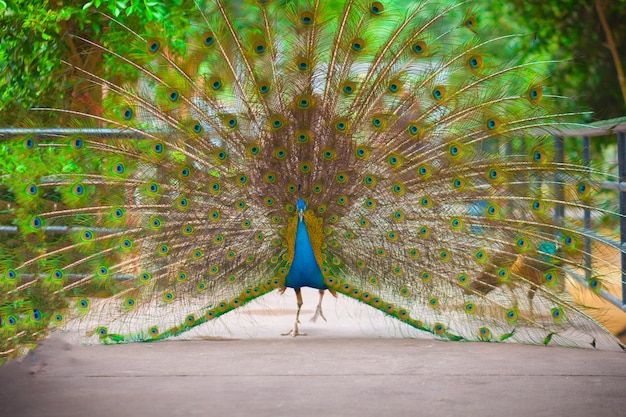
616, 127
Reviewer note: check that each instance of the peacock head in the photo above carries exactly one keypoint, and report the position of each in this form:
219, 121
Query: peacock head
301, 207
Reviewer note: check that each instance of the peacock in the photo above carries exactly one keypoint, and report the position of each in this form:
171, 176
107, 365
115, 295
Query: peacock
379, 150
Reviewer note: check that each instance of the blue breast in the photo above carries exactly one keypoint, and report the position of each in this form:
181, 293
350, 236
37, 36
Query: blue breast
304, 272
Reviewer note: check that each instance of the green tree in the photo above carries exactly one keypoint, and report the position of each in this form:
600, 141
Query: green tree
41, 42
589, 35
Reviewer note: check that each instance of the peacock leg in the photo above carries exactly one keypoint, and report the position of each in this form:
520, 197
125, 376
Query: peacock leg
318, 310
295, 331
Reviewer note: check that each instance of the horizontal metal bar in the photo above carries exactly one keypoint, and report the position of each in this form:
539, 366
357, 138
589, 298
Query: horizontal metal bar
600, 128
593, 130
613, 185
63, 131
619, 129
595, 236
76, 277
71, 229
603, 293
58, 230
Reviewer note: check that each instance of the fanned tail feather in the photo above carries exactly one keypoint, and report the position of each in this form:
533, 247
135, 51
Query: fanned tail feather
427, 163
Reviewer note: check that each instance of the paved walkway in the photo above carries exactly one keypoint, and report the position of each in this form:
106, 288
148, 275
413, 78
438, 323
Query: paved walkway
329, 373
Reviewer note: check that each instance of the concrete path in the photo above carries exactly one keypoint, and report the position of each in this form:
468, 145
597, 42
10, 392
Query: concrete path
328, 373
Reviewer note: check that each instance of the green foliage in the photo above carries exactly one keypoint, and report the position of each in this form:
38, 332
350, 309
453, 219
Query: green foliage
570, 30
151, 10
30, 54
37, 37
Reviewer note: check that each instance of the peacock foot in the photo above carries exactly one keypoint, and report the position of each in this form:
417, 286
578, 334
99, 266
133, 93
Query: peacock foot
294, 331
318, 313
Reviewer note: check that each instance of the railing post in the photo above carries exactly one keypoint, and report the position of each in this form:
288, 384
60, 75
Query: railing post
559, 187
587, 213
621, 162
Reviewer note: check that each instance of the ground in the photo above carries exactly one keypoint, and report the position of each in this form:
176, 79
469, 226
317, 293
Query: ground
340, 369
